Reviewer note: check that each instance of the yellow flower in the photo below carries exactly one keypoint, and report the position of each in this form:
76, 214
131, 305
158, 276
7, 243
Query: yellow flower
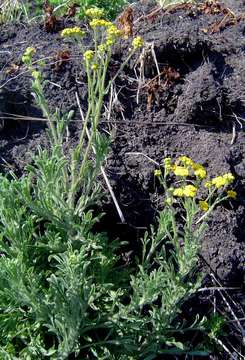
229, 178
95, 67
169, 201
102, 48
180, 171
94, 13
167, 164
30, 51
219, 181
110, 42
186, 160
88, 55
137, 42
72, 32
203, 205
232, 194
199, 171
113, 31
28, 54
224, 180
190, 191
208, 184
178, 192
157, 173
37, 75
100, 22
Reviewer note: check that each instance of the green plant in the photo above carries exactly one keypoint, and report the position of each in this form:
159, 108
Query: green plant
63, 288
12, 11
110, 7
165, 3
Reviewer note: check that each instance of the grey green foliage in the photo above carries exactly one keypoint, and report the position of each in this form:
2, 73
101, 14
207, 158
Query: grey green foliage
62, 290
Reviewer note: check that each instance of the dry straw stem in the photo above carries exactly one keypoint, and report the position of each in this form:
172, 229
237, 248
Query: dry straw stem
119, 211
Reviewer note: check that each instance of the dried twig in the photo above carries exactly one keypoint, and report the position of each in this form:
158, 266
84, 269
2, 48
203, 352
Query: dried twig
119, 211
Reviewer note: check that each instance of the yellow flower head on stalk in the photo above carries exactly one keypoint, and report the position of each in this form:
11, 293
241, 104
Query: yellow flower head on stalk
180, 171
137, 42
229, 178
94, 13
232, 194
169, 201
36, 75
30, 51
199, 171
190, 191
94, 67
28, 54
110, 42
178, 192
88, 55
100, 22
72, 32
203, 205
208, 184
113, 31
185, 160
167, 164
157, 173
224, 180
102, 48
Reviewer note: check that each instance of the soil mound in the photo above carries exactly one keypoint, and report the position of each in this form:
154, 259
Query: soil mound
184, 95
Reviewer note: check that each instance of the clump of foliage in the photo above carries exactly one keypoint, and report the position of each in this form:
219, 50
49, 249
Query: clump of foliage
111, 7
63, 288
165, 3
12, 11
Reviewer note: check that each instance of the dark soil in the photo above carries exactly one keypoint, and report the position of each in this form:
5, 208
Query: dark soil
200, 114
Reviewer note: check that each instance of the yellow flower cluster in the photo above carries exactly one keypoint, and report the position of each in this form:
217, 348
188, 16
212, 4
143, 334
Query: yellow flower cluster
28, 54
137, 42
184, 166
94, 67
100, 22
220, 181
185, 160
199, 171
113, 31
157, 173
88, 55
112, 34
72, 32
232, 194
36, 75
102, 48
95, 13
203, 204
186, 191
180, 170
30, 51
